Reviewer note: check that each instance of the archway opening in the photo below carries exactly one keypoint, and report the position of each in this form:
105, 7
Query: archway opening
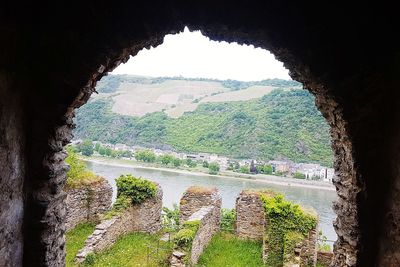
124, 96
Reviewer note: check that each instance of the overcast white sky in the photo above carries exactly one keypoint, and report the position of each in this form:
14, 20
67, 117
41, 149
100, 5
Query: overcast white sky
192, 55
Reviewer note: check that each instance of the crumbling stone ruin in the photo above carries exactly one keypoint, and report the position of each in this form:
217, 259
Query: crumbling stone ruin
52, 55
143, 217
202, 205
87, 203
250, 216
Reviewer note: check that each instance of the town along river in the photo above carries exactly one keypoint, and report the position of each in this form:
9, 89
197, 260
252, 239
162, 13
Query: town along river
175, 183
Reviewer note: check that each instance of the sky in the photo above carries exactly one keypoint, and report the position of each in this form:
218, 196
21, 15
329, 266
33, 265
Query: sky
193, 55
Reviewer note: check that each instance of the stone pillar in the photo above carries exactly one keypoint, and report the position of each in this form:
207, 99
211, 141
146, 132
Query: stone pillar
196, 197
250, 215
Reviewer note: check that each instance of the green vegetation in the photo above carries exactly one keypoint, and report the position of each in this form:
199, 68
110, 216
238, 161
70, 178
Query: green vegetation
228, 217
75, 239
226, 250
132, 250
288, 224
135, 189
299, 175
170, 218
145, 155
184, 237
78, 175
86, 148
213, 168
281, 124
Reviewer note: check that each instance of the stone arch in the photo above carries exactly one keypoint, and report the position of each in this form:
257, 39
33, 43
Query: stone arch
64, 50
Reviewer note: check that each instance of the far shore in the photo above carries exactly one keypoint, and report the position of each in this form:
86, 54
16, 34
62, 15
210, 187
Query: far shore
268, 179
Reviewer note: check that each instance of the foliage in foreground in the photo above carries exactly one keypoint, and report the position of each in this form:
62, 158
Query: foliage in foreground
78, 175
135, 189
226, 250
288, 224
75, 240
228, 217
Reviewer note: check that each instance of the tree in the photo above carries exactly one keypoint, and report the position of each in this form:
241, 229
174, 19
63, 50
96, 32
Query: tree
102, 151
177, 162
145, 155
244, 169
166, 159
108, 151
191, 163
205, 164
97, 147
86, 148
213, 168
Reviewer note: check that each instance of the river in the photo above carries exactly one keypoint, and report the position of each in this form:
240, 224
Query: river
174, 184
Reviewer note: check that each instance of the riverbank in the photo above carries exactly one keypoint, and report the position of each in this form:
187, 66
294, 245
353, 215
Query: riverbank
268, 179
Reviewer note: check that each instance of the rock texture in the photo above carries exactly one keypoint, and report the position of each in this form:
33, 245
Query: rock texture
308, 252
86, 203
250, 216
144, 217
49, 66
324, 259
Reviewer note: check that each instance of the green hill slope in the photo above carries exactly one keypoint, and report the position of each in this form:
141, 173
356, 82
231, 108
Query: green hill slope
281, 124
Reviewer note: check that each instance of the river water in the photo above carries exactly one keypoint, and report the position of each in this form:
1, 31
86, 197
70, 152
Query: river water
174, 184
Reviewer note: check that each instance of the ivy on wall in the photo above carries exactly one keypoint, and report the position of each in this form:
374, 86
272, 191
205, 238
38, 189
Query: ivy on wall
287, 224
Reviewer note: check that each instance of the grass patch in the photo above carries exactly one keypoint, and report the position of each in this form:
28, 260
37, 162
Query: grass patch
226, 250
131, 250
76, 239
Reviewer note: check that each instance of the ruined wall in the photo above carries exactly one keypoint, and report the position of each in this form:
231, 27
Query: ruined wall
324, 259
308, 253
196, 197
12, 174
144, 217
250, 216
205, 205
87, 202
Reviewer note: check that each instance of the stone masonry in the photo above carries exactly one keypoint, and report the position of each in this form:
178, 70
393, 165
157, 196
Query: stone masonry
144, 217
250, 215
324, 258
204, 205
308, 253
87, 202
196, 197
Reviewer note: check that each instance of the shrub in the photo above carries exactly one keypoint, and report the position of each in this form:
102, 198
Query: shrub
170, 217
183, 239
228, 217
213, 168
136, 189
244, 169
299, 175
78, 175
177, 162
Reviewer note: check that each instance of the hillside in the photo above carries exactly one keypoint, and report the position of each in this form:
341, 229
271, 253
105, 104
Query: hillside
275, 123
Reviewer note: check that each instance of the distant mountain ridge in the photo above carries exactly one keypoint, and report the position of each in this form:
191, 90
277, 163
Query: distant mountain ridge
264, 120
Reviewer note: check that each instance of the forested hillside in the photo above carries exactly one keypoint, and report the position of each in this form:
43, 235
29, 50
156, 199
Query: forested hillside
282, 124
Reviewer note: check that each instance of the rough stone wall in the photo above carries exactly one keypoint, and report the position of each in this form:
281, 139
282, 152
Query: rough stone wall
144, 217
196, 197
210, 217
324, 259
86, 203
12, 174
308, 253
250, 216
